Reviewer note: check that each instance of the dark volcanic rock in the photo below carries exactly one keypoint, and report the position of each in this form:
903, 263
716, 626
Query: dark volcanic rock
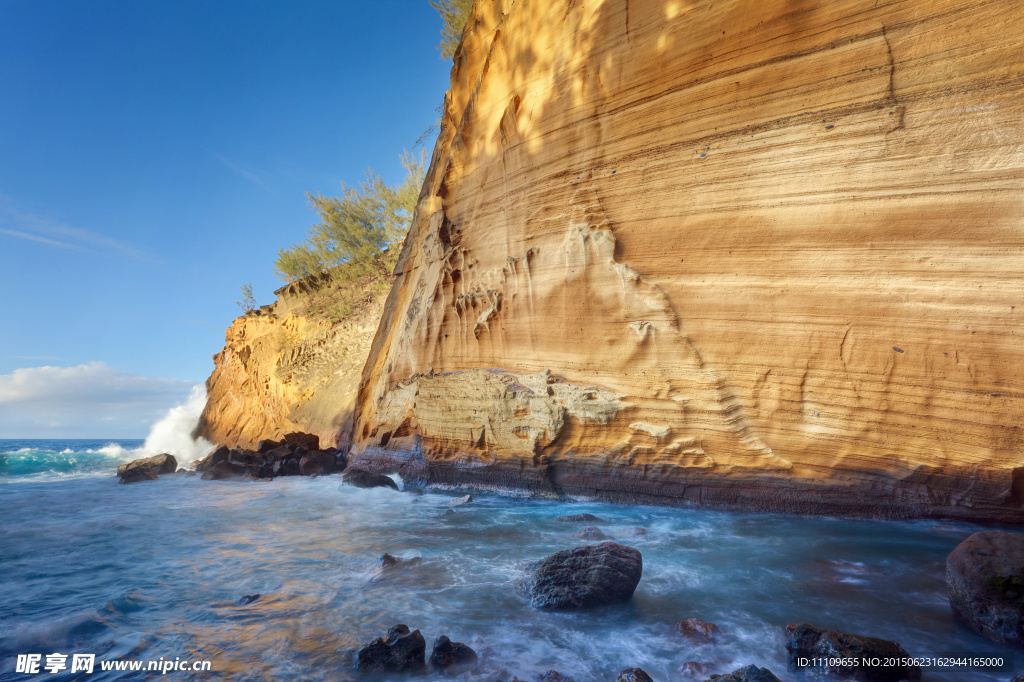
265, 446
287, 467
279, 453
136, 475
697, 631
214, 458
447, 654
633, 675
985, 582
364, 479
586, 576
303, 440
158, 464
592, 533
224, 471
400, 651
316, 463
388, 566
751, 673
579, 518
809, 642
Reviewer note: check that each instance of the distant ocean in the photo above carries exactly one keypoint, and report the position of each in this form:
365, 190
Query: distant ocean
158, 571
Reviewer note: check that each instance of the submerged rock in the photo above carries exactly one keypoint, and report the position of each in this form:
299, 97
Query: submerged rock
592, 533
248, 599
399, 651
554, 676
633, 675
365, 479
985, 583
447, 655
809, 643
750, 673
697, 631
579, 518
458, 501
582, 577
388, 566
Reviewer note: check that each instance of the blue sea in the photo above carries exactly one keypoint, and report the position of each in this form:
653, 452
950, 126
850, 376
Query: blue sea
158, 570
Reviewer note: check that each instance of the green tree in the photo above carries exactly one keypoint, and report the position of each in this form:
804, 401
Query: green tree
454, 14
248, 301
357, 228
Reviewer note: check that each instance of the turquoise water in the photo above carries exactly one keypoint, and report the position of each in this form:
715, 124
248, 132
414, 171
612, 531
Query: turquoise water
156, 569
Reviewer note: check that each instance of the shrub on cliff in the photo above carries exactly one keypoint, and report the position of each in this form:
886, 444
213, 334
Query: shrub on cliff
356, 229
454, 14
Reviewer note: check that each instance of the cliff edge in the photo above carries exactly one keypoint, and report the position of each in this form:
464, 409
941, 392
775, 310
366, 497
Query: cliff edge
764, 255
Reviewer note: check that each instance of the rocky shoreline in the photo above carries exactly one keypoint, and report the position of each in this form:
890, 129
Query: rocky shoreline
985, 582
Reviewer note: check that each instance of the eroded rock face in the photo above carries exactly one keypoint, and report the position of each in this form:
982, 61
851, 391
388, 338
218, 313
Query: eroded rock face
289, 367
584, 577
985, 581
690, 252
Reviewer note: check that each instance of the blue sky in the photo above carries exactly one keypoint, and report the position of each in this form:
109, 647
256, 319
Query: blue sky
153, 158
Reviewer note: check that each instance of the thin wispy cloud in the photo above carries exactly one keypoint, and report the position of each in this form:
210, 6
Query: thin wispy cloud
16, 222
243, 171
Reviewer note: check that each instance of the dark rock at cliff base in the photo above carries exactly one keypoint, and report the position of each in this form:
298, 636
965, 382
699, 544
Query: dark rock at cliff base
365, 479
751, 673
303, 440
287, 467
448, 655
225, 471
265, 446
809, 642
697, 631
399, 651
136, 475
592, 533
214, 458
985, 582
633, 675
316, 463
554, 676
586, 576
279, 453
158, 464
579, 518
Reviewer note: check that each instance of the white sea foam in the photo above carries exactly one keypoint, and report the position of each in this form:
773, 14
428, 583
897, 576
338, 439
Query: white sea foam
173, 433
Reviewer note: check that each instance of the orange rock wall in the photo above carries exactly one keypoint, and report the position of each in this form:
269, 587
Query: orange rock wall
779, 244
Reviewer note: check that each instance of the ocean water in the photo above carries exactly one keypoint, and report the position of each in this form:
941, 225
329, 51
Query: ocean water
157, 570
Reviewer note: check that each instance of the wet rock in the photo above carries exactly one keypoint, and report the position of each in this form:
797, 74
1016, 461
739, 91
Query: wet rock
303, 440
579, 518
245, 458
592, 533
136, 475
388, 566
224, 471
450, 512
448, 655
699, 668
158, 464
751, 673
248, 599
697, 631
287, 467
633, 675
554, 676
365, 479
985, 583
639, 531
399, 651
458, 501
279, 453
181, 471
808, 642
316, 463
214, 458
587, 576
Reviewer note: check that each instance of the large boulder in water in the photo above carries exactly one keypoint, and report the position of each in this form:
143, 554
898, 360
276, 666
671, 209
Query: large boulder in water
316, 463
399, 651
449, 656
807, 644
147, 468
985, 582
219, 455
365, 479
582, 577
226, 471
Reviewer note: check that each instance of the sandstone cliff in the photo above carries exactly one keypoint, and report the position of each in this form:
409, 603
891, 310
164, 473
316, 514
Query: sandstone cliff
291, 366
764, 254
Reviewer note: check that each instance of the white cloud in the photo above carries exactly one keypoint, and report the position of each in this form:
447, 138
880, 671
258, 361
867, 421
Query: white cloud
93, 400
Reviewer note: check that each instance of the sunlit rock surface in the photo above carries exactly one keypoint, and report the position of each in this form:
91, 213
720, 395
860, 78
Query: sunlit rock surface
755, 254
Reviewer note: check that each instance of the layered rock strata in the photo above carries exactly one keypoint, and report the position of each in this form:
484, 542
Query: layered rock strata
763, 255
290, 367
